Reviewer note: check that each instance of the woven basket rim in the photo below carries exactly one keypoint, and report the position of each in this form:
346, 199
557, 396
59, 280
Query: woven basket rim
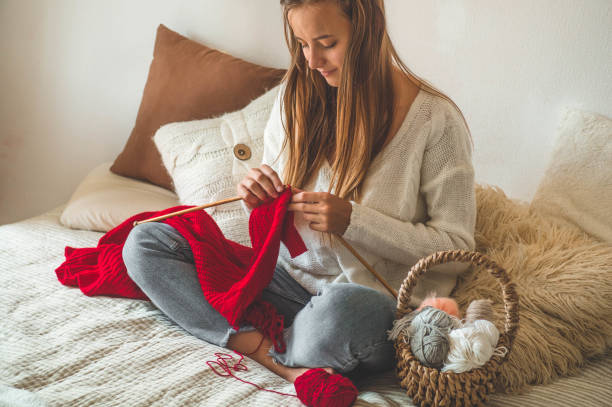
510, 298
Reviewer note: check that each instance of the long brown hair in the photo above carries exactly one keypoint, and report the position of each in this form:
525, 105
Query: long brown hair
359, 112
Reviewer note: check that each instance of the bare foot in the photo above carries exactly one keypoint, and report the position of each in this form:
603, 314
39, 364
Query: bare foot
252, 345
292, 373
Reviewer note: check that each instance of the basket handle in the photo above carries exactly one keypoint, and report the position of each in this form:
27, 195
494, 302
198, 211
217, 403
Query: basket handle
510, 296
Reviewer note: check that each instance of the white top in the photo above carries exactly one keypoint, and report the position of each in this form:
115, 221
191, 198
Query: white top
417, 198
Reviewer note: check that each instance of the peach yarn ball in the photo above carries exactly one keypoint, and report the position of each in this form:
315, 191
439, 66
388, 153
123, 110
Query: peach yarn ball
445, 304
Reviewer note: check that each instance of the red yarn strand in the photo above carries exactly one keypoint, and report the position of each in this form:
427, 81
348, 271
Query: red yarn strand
315, 387
222, 362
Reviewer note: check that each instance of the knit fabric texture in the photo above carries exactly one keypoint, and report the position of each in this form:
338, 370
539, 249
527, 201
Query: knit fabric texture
193, 148
418, 198
317, 388
232, 276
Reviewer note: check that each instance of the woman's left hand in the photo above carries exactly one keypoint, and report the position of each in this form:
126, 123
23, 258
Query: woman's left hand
325, 212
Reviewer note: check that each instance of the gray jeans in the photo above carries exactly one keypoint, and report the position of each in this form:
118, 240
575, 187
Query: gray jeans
343, 326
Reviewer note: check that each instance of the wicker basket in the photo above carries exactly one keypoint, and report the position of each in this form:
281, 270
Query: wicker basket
429, 386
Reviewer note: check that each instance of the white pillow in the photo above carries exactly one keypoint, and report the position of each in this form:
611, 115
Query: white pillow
577, 186
207, 158
103, 200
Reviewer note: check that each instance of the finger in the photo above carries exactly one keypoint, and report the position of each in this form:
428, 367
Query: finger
303, 207
295, 190
323, 207
250, 199
276, 181
265, 184
255, 188
245, 197
317, 226
316, 223
305, 196
314, 218
264, 181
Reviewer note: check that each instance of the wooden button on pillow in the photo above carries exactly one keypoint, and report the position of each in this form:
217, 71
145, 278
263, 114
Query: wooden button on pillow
208, 158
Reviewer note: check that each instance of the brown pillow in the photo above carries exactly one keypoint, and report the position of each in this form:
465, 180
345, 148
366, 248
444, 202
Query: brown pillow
187, 81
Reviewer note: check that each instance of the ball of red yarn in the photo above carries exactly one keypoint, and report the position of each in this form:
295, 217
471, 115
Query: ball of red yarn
317, 388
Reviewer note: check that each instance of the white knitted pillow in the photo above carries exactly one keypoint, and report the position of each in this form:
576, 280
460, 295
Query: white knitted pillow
207, 158
577, 186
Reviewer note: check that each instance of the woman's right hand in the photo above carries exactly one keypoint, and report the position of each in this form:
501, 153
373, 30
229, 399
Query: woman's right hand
259, 185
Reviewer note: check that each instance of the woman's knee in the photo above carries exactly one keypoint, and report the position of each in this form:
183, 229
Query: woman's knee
136, 240
355, 308
147, 242
364, 315
347, 323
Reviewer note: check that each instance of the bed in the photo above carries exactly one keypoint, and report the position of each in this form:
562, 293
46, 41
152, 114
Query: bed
59, 347
62, 348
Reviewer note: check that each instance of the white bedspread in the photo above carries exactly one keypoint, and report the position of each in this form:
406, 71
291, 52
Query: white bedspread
59, 347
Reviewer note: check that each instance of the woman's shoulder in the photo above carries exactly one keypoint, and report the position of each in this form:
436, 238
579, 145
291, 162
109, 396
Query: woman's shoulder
438, 107
443, 117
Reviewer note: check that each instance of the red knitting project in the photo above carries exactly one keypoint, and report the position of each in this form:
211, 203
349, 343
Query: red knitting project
232, 276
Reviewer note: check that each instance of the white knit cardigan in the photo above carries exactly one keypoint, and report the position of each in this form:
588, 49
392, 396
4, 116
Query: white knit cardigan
417, 198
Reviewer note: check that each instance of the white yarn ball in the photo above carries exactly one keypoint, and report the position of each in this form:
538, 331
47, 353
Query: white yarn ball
489, 328
471, 346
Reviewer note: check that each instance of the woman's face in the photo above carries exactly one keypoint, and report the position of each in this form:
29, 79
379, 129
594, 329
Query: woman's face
324, 32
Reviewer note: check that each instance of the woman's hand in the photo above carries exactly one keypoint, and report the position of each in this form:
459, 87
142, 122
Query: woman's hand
259, 185
325, 212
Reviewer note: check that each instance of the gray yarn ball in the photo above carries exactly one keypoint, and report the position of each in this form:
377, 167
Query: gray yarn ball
429, 336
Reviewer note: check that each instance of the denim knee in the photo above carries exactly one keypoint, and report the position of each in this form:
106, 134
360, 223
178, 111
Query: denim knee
357, 313
343, 327
159, 260
132, 252
145, 239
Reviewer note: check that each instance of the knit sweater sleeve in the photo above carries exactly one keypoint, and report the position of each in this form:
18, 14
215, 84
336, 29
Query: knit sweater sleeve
447, 185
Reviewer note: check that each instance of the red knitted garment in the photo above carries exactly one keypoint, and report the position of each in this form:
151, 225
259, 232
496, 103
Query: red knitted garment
232, 276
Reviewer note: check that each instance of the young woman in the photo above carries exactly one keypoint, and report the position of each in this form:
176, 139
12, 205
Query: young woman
374, 155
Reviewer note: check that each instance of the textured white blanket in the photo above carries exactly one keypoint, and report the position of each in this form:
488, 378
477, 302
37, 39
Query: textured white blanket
59, 347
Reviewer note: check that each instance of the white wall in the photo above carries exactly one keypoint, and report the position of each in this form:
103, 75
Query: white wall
72, 74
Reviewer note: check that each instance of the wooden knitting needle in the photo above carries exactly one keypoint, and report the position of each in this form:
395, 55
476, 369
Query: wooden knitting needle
370, 269
181, 212
237, 198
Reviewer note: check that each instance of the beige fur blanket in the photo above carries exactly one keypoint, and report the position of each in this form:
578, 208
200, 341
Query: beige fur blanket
564, 281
